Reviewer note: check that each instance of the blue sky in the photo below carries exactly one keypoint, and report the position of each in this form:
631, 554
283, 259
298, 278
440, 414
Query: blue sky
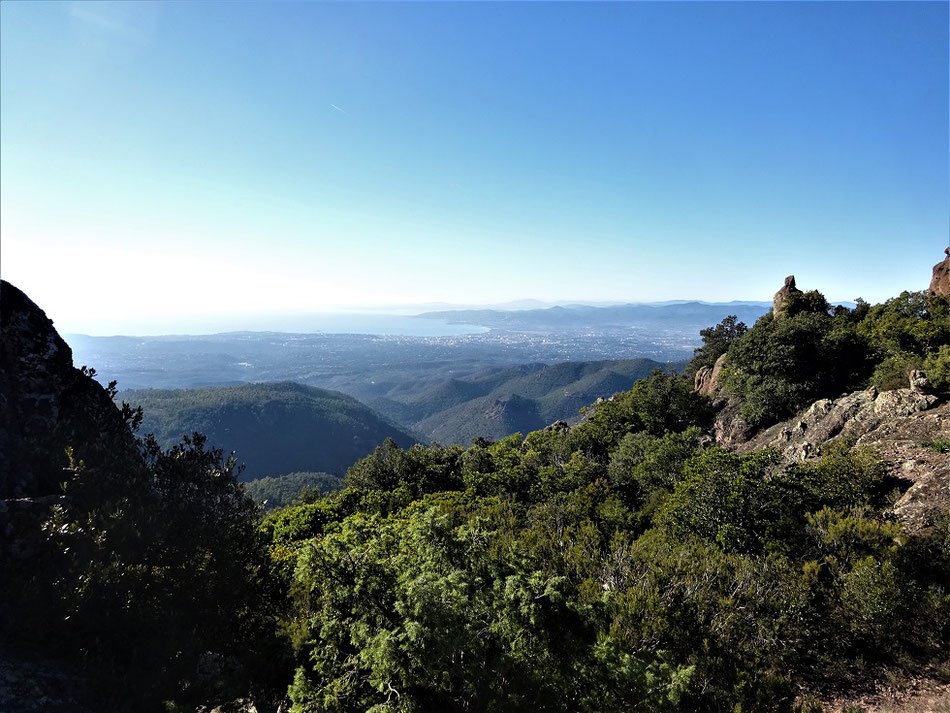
160, 159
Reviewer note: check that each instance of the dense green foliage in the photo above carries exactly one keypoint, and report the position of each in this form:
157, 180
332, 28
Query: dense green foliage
813, 351
716, 342
149, 570
282, 490
494, 403
619, 565
273, 428
625, 564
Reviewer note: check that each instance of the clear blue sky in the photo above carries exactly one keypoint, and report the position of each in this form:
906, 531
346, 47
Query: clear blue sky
164, 158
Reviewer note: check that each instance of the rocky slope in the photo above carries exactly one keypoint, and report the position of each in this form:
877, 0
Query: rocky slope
905, 426
46, 405
30, 683
909, 427
864, 417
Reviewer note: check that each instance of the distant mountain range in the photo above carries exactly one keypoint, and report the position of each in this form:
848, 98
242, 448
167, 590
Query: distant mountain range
671, 315
274, 428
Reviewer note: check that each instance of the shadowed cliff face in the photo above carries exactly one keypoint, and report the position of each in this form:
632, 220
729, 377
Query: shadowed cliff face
126, 562
45, 403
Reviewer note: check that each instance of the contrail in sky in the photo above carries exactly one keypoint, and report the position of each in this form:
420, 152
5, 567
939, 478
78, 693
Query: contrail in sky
338, 108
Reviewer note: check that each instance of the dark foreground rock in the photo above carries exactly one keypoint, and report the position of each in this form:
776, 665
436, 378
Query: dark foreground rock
46, 404
30, 683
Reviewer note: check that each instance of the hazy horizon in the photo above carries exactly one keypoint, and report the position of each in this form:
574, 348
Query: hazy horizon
400, 320
166, 161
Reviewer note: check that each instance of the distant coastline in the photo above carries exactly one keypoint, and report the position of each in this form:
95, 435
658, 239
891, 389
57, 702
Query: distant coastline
320, 323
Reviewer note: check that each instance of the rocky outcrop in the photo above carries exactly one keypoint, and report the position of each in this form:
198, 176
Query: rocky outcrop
45, 403
730, 430
923, 692
863, 417
929, 473
706, 381
900, 425
778, 302
940, 283
30, 683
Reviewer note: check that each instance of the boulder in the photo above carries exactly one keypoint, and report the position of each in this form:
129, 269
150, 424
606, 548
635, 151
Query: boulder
730, 430
940, 283
778, 302
919, 383
701, 378
862, 417
929, 495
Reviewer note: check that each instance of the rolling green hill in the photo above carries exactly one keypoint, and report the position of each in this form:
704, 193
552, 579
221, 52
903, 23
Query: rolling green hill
274, 428
496, 402
281, 490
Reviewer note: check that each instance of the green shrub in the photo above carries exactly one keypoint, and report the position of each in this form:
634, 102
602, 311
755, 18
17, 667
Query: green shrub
722, 499
810, 351
893, 372
939, 445
155, 562
937, 368
282, 490
716, 342
643, 464
784, 363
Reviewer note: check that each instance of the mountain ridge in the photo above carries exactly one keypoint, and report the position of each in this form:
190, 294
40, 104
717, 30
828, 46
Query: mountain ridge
522, 398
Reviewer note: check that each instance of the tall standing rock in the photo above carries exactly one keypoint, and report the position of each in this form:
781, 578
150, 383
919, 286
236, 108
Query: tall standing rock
706, 381
778, 302
940, 283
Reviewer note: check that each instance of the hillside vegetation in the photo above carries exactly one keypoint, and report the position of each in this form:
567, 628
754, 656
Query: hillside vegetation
493, 403
627, 562
810, 350
273, 428
276, 492
621, 564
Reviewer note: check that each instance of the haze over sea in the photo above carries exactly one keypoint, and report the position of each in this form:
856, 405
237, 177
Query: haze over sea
312, 323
